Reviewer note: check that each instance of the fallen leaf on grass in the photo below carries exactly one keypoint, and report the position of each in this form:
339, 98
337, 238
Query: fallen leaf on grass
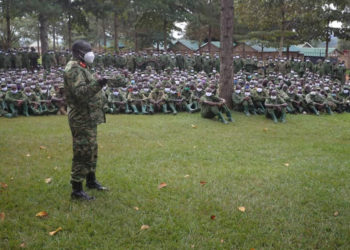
49, 157
2, 216
213, 217
56, 231
242, 209
266, 129
336, 213
23, 245
28, 155
252, 249
286, 164
12, 178
203, 183
192, 246
55, 168
136, 208
186, 176
222, 241
42, 214
160, 145
144, 227
48, 180
42, 147
194, 126
162, 185
3, 185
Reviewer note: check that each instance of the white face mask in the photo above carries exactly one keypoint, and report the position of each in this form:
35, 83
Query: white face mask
43, 91
135, 92
116, 93
41, 83
4, 89
346, 91
177, 82
14, 91
326, 88
199, 90
238, 91
173, 91
28, 93
146, 90
166, 89
89, 57
313, 93
104, 88
32, 86
273, 97
259, 90
124, 89
208, 93
247, 93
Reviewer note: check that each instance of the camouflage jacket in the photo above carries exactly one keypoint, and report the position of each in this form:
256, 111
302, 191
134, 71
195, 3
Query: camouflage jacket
83, 96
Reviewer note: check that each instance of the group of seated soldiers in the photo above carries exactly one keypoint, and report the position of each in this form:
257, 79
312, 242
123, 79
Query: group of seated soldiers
173, 90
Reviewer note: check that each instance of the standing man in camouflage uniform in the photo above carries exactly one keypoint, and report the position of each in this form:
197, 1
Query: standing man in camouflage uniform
85, 111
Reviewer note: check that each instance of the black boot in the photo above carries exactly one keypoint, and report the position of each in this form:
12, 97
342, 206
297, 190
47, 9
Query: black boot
78, 192
92, 183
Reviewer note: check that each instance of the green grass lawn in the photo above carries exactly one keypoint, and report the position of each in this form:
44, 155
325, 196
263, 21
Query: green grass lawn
293, 180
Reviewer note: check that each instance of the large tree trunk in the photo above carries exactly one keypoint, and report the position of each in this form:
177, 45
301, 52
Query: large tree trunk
43, 20
165, 24
136, 44
282, 34
8, 24
226, 62
116, 40
38, 39
104, 33
209, 39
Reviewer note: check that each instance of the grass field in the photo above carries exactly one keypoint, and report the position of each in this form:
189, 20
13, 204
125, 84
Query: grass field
292, 180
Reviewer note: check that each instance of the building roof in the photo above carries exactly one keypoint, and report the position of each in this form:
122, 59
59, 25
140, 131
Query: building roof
216, 44
192, 45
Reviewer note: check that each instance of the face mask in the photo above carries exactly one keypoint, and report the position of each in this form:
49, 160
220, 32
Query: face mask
146, 90
89, 57
116, 93
41, 83
238, 91
208, 93
28, 93
313, 93
124, 89
199, 90
104, 88
173, 91
346, 91
187, 89
273, 97
14, 91
326, 88
177, 82
32, 86
334, 94
247, 93
132, 81
135, 92
299, 88
259, 90
166, 89
4, 89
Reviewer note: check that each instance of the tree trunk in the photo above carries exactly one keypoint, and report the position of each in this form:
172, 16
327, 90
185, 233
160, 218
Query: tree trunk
43, 20
327, 49
116, 40
8, 25
54, 37
226, 62
244, 49
158, 46
165, 24
98, 35
282, 34
38, 40
104, 34
209, 39
136, 45
69, 31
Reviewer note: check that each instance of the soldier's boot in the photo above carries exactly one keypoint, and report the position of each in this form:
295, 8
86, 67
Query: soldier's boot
274, 118
315, 111
13, 110
25, 109
144, 110
329, 110
189, 109
127, 109
136, 112
172, 107
283, 117
92, 183
253, 110
246, 110
165, 110
229, 116
151, 109
221, 118
196, 107
78, 192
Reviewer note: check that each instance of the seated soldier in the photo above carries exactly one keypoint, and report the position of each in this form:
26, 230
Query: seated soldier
16, 101
186, 94
212, 106
116, 102
275, 107
196, 96
173, 99
33, 102
258, 97
157, 100
45, 100
136, 100
316, 102
243, 101
58, 99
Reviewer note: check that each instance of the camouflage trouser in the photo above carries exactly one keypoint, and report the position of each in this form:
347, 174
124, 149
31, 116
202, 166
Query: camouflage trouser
84, 152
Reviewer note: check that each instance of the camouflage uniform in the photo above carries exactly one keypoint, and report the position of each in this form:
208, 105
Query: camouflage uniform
85, 111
